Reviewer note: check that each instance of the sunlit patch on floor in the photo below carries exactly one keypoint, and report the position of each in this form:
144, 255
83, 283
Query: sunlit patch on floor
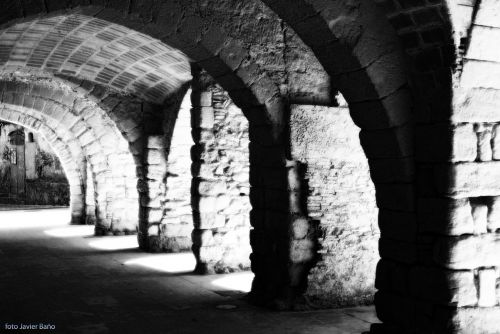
114, 243
71, 231
169, 263
20, 219
235, 282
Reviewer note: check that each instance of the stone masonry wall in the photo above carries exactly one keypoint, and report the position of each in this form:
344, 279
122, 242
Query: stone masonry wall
220, 188
177, 224
212, 196
340, 200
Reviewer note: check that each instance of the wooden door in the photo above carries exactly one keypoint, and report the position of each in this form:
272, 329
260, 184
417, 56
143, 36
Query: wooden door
17, 166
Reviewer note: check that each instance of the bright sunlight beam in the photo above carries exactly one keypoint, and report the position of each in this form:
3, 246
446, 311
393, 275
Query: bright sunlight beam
235, 282
114, 242
71, 231
169, 263
23, 219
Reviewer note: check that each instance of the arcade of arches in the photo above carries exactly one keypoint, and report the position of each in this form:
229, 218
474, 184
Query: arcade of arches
343, 151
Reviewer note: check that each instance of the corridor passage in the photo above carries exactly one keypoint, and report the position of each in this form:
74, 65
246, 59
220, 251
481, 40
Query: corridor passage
63, 279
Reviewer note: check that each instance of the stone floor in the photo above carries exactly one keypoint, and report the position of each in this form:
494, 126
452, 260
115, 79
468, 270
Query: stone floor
63, 277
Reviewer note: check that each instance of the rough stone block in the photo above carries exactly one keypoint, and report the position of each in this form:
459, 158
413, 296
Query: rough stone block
468, 252
153, 215
477, 73
495, 142
479, 215
204, 204
444, 286
475, 105
295, 202
488, 14
156, 172
207, 154
222, 202
209, 254
154, 230
392, 277
301, 251
201, 98
156, 142
397, 196
209, 188
480, 43
388, 143
203, 136
208, 220
446, 142
393, 110
400, 251
398, 225
179, 230
154, 244
177, 244
392, 170
155, 157
484, 146
202, 237
445, 216
470, 179
467, 320
300, 227
493, 214
202, 117
395, 309
487, 287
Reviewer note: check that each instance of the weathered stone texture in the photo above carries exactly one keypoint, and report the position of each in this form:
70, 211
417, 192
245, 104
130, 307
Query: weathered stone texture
220, 186
421, 79
76, 133
340, 205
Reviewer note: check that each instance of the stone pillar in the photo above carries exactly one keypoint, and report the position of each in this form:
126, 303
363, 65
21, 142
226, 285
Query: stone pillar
77, 204
90, 206
152, 193
302, 231
220, 185
270, 215
177, 224
207, 193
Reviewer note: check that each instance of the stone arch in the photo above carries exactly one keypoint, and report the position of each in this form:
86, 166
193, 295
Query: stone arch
453, 93
220, 179
360, 51
216, 43
93, 138
212, 43
199, 39
69, 160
